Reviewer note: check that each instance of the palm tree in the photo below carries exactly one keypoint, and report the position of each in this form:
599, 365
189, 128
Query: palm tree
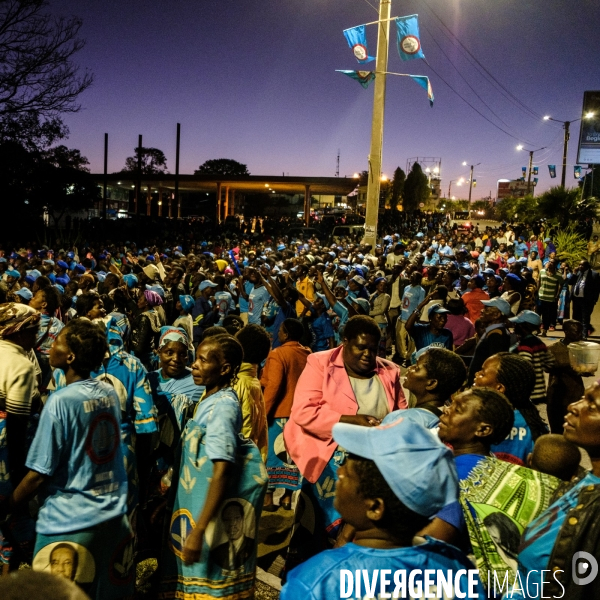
565, 205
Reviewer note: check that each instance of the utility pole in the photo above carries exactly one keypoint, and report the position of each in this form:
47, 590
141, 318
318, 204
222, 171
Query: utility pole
566, 125
374, 181
530, 169
337, 171
105, 183
471, 185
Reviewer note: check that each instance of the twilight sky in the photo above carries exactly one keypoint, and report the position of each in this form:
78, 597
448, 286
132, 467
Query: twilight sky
255, 80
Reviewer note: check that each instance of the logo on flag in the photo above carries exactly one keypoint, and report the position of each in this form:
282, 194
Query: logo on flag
363, 77
357, 40
409, 40
552, 170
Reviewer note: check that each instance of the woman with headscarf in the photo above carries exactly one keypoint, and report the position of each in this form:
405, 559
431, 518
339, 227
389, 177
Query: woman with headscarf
146, 329
185, 305
18, 332
219, 485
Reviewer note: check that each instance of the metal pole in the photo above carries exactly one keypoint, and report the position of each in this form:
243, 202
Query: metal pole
373, 185
177, 203
471, 185
530, 169
138, 185
566, 125
104, 206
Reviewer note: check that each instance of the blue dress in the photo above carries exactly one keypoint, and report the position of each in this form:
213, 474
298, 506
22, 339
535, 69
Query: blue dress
228, 558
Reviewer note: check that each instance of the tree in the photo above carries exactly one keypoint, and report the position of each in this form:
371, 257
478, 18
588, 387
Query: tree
222, 166
398, 187
62, 157
38, 78
416, 188
153, 161
563, 206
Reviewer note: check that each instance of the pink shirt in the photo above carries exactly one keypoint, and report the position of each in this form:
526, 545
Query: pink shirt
323, 394
462, 329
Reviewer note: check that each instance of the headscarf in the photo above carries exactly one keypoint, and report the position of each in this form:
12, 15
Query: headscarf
187, 303
172, 334
130, 279
15, 317
152, 298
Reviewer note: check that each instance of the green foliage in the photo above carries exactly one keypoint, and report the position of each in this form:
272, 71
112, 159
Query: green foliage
222, 166
416, 188
571, 247
153, 161
397, 187
563, 206
521, 209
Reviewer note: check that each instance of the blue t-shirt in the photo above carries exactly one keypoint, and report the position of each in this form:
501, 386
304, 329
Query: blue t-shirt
540, 536
258, 297
518, 443
321, 329
344, 314
225, 303
411, 298
319, 578
220, 419
248, 287
424, 338
286, 311
78, 446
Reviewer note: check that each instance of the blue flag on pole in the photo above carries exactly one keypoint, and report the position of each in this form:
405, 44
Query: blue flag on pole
524, 169
357, 40
535, 181
424, 82
552, 169
363, 77
535, 170
409, 41
577, 171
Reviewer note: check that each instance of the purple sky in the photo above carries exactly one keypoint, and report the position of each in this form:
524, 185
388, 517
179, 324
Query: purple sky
255, 81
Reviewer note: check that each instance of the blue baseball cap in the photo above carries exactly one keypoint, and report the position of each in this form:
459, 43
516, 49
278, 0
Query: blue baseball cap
25, 293
502, 305
325, 301
62, 264
158, 289
527, 316
364, 304
427, 480
206, 284
437, 309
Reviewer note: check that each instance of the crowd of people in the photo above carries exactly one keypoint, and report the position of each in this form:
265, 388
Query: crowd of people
156, 400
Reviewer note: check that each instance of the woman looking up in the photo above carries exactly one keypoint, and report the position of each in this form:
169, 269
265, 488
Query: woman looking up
221, 481
513, 376
146, 329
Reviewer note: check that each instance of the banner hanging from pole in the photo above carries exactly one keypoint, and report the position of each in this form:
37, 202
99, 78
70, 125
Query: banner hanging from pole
409, 40
552, 170
535, 170
424, 82
524, 170
357, 40
363, 77
577, 171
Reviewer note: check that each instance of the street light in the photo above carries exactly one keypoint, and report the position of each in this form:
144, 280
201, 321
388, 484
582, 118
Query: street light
566, 126
471, 179
520, 147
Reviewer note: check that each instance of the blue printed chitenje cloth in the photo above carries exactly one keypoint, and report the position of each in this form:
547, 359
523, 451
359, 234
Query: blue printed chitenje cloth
228, 560
98, 559
282, 474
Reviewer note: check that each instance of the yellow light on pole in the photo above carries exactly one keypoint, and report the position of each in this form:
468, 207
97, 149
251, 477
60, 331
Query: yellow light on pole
356, 175
589, 115
384, 178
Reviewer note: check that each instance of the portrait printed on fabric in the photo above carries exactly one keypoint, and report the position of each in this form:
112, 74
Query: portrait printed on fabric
505, 533
231, 536
66, 559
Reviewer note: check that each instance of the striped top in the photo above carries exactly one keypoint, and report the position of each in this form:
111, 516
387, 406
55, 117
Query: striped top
534, 350
549, 286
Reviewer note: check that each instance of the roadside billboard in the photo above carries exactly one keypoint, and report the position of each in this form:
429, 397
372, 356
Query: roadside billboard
589, 133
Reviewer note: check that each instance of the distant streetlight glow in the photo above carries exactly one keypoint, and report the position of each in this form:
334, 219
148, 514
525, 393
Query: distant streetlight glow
588, 115
384, 178
520, 147
436, 170
547, 118
267, 185
464, 163
356, 175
